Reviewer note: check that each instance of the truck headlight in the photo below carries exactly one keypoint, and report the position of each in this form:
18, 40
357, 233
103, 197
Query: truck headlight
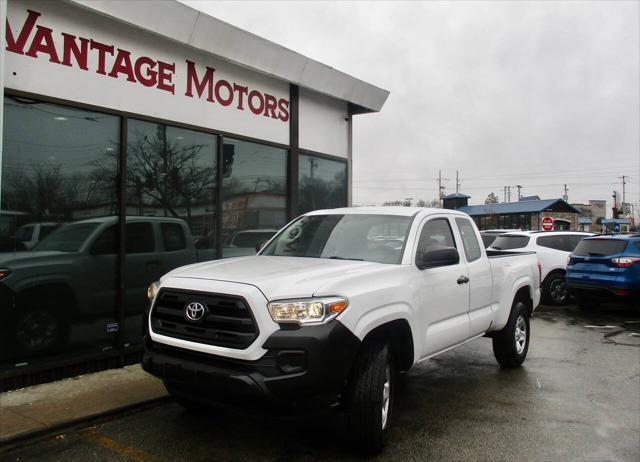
307, 311
152, 290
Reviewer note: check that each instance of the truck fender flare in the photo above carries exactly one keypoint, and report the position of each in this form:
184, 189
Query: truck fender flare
386, 314
520, 285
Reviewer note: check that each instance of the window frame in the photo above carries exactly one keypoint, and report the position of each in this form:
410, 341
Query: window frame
425, 222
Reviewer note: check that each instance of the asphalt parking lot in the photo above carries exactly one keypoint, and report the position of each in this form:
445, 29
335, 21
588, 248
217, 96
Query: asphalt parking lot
576, 398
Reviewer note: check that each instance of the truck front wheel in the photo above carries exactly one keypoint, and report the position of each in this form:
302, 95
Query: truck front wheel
370, 398
511, 344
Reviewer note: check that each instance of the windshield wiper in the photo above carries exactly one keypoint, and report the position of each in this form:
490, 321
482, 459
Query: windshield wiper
335, 257
595, 254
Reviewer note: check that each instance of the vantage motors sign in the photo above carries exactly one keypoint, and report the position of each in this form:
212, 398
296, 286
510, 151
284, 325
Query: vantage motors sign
60, 50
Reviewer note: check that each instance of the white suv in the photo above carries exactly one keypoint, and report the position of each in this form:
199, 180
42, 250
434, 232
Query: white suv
552, 249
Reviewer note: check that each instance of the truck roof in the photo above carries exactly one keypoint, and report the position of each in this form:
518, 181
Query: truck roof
383, 210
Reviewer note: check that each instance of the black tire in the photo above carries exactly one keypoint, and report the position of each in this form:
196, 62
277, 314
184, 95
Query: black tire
372, 372
509, 347
38, 331
554, 289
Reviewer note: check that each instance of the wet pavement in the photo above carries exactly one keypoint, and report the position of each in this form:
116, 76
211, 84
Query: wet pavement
576, 398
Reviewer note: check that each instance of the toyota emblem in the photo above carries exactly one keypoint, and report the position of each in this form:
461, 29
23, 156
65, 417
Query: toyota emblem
195, 311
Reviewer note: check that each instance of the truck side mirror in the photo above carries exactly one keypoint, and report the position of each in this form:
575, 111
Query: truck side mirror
443, 256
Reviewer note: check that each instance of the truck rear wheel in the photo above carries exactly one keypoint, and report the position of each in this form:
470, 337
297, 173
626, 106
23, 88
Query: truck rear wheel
511, 344
370, 398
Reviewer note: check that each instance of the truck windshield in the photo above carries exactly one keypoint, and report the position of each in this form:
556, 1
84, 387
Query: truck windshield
510, 242
68, 238
374, 238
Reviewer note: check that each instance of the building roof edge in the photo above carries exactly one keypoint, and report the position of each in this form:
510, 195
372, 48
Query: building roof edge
181, 23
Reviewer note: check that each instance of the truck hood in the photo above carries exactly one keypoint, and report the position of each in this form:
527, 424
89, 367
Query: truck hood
27, 258
279, 277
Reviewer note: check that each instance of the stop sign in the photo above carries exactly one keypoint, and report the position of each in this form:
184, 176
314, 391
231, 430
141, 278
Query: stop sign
547, 224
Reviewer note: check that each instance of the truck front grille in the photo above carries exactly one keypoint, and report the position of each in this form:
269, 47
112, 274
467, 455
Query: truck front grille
228, 321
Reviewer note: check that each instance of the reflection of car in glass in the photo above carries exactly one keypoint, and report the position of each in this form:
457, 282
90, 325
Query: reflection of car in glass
605, 268
552, 249
29, 235
239, 244
72, 275
243, 243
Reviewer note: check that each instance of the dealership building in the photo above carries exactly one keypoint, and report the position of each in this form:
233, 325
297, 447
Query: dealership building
206, 137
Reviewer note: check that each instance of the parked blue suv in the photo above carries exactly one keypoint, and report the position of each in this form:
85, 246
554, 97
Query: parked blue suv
605, 268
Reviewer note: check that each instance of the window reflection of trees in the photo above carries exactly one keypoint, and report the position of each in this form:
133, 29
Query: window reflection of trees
164, 174
49, 189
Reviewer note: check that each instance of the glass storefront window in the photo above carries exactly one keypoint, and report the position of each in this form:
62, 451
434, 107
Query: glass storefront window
58, 193
171, 208
254, 195
322, 184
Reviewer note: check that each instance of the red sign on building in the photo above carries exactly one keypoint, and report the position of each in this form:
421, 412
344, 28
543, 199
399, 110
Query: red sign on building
547, 224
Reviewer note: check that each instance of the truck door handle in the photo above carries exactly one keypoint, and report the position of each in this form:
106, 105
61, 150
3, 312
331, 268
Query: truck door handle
462, 280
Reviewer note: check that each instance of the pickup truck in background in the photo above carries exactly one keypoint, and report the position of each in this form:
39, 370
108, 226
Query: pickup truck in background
71, 276
330, 311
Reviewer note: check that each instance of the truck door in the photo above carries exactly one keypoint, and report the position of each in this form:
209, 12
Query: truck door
480, 278
443, 291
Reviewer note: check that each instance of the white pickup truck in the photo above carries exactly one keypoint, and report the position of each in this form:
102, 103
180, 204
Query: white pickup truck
333, 308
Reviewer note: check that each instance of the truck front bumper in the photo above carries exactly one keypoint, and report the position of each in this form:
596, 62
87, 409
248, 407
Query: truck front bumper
302, 365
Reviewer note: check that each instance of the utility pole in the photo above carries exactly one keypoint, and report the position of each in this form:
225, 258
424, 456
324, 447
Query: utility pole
457, 182
624, 183
440, 187
566, 193
519, 195
505, 193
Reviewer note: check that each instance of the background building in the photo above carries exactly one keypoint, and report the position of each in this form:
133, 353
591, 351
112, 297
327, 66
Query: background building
119, 109
525, 214
591, 215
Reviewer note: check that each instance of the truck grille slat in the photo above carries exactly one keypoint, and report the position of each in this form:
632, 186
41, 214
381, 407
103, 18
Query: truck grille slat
228, 322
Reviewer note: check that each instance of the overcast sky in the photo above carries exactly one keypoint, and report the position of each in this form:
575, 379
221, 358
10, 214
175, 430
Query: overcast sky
532, 93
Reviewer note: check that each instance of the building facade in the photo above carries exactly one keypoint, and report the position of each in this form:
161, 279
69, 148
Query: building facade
591, 215
140, 139
524, 214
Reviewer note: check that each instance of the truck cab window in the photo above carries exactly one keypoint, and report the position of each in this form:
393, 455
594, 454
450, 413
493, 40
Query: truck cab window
469, 239
436, 234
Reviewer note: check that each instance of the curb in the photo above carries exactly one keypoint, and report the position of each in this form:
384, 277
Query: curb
13, 441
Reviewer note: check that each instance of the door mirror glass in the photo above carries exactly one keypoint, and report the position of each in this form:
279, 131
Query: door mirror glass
443, 256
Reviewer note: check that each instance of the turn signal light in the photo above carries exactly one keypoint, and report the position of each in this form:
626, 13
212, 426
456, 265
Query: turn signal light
625, 262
